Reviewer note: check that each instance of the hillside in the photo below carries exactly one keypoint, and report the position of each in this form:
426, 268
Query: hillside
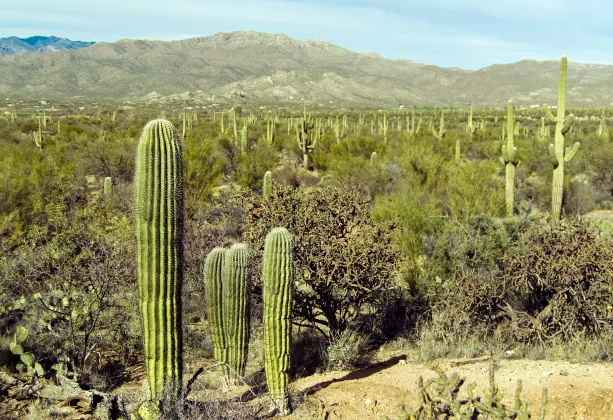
261, 68
18, 46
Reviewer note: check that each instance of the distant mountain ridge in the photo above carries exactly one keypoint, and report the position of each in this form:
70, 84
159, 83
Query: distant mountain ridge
17, 46
266, 69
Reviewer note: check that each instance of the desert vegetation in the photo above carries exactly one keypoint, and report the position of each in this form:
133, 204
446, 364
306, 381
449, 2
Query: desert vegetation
182, 261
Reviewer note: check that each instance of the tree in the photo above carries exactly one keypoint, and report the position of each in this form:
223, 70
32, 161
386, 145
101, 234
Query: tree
344, 260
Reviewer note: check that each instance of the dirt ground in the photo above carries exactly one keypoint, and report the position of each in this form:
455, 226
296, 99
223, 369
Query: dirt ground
575, 391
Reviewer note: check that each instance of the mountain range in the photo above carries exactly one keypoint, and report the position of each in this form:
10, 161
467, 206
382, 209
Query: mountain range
260, 68
17, 46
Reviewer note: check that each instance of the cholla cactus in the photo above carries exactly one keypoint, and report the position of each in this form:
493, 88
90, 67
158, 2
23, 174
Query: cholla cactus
557, 153
159, 235
277, 276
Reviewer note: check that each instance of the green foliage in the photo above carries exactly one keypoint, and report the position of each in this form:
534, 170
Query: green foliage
474, 191
254, 165
332, 229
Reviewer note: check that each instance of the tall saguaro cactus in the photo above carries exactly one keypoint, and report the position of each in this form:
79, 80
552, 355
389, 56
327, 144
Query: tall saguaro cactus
277, 272
237, 276
557, 153
510, 160
214, 267
159, 234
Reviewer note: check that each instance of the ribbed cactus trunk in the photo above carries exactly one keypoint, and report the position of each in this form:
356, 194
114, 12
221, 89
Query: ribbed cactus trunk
373, 160
108, 186
557, 153
457, 152
214, 267
510, 160
235, 292
277, 272
267, 185
159, 232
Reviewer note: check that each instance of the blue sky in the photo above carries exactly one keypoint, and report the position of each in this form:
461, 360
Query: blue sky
454, 33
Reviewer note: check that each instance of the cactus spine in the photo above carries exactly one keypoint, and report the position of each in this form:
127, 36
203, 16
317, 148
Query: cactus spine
267, 185
213, 282
277, 274
159, 235
510, 160
235, 292
557, 153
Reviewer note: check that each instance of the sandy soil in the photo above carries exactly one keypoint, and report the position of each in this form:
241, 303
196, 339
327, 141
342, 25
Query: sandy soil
575, 391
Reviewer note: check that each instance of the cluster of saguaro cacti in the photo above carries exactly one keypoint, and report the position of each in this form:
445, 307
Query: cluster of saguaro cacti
277, 276
557, 152
470, 127
603, 129
159, 233
227, 276
510, 160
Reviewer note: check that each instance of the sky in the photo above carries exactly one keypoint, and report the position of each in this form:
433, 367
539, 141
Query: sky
469, 34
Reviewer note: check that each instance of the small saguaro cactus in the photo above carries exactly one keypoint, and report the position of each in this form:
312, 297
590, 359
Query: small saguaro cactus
470, 127
557, 153
510, 160
235, 292
277, 276
457, 152
244, 141
108, 186
214, 267
373, 160
267, 184
159, 235
306, 140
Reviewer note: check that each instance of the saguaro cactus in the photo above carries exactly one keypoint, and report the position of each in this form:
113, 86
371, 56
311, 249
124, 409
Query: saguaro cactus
557, 153
108, 186
267, 187
373, 160
237, 275
457, 152
214, 267
244, 141
159, 234
277, 272
441, 129
510, 160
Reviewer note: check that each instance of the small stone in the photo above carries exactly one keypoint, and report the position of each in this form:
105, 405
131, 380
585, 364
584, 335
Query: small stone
402, 362
547, 373
564, 372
